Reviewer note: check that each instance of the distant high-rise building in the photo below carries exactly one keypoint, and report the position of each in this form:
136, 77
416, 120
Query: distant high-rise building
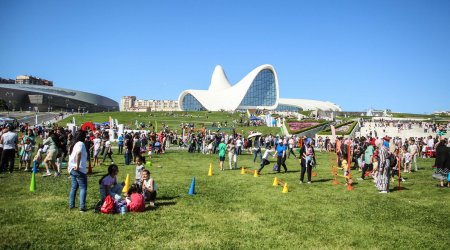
130, 103
32, 80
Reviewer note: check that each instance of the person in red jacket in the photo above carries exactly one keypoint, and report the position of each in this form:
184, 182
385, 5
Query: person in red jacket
135, 199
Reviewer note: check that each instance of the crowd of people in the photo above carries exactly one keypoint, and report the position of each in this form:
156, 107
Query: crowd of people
381, 159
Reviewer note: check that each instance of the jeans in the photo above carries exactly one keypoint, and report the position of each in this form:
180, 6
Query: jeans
78, 180
255, 154
127, 158
109, 156
239, 150
114, 191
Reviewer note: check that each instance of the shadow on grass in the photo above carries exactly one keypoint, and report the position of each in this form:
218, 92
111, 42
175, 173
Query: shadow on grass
160, 204
322, 180
396, 189
168, 198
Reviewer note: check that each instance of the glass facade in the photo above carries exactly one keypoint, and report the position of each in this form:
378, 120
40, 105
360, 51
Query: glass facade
287, 108
262, 91
189, 103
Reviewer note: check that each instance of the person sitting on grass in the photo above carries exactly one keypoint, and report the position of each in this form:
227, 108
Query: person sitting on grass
135, 199
148, 188
108, 184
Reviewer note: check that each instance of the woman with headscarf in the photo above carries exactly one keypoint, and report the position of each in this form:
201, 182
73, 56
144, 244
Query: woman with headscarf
307, 160
442, 163
383, 167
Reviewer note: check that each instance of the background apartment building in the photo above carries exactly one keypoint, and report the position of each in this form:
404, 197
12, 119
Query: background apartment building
130, 103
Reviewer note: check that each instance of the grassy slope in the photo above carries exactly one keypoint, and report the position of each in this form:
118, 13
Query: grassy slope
230, 210
173, 121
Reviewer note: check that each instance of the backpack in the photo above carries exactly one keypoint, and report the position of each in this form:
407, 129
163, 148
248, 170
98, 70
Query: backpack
98, 205
275, 167
392, 161
108, 205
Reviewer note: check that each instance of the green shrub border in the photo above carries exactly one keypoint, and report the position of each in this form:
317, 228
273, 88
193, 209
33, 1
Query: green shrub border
349, 130
321, 123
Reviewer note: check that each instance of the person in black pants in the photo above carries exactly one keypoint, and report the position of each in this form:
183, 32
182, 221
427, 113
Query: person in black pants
9, 141
307, 157
281, 156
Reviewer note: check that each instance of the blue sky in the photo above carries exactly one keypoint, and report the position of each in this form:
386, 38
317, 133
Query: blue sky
359, 54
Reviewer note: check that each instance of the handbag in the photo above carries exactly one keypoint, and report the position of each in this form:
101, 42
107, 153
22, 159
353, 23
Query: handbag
108, 205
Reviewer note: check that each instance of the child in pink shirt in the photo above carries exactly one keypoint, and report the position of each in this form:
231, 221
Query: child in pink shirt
135, 199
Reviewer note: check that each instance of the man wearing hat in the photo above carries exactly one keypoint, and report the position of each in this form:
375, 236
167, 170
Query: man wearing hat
9, 141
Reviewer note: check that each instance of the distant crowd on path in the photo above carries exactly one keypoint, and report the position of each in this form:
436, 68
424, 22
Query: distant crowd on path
428, 127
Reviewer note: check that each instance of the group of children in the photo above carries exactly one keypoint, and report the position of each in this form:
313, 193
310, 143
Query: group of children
141, 191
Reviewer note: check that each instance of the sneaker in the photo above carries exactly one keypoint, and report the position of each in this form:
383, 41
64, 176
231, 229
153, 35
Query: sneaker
57, 174
309, 182
46, 174
83, 210
152, 204
383, 192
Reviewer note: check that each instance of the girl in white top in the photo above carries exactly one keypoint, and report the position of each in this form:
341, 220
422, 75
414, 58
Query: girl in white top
77, 170
96, 147
148, 187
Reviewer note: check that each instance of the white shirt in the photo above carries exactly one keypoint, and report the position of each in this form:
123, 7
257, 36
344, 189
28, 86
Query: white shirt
77, 148
9, 140
97, 142
267, 152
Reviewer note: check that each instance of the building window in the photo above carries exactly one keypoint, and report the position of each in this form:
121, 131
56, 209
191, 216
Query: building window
189, 103
262, 91
288, 108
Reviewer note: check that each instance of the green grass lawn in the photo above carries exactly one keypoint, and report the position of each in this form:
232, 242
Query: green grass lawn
230, 211
173, 120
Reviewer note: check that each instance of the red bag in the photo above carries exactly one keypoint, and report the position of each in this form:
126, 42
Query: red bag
108, 205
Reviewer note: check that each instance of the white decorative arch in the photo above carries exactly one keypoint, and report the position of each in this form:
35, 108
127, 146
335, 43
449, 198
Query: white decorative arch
222, 96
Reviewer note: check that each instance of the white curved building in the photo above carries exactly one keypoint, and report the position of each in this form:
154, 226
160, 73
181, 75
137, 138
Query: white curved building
257, 90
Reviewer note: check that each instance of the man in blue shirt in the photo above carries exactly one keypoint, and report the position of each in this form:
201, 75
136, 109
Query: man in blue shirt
281, 155
120, 144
